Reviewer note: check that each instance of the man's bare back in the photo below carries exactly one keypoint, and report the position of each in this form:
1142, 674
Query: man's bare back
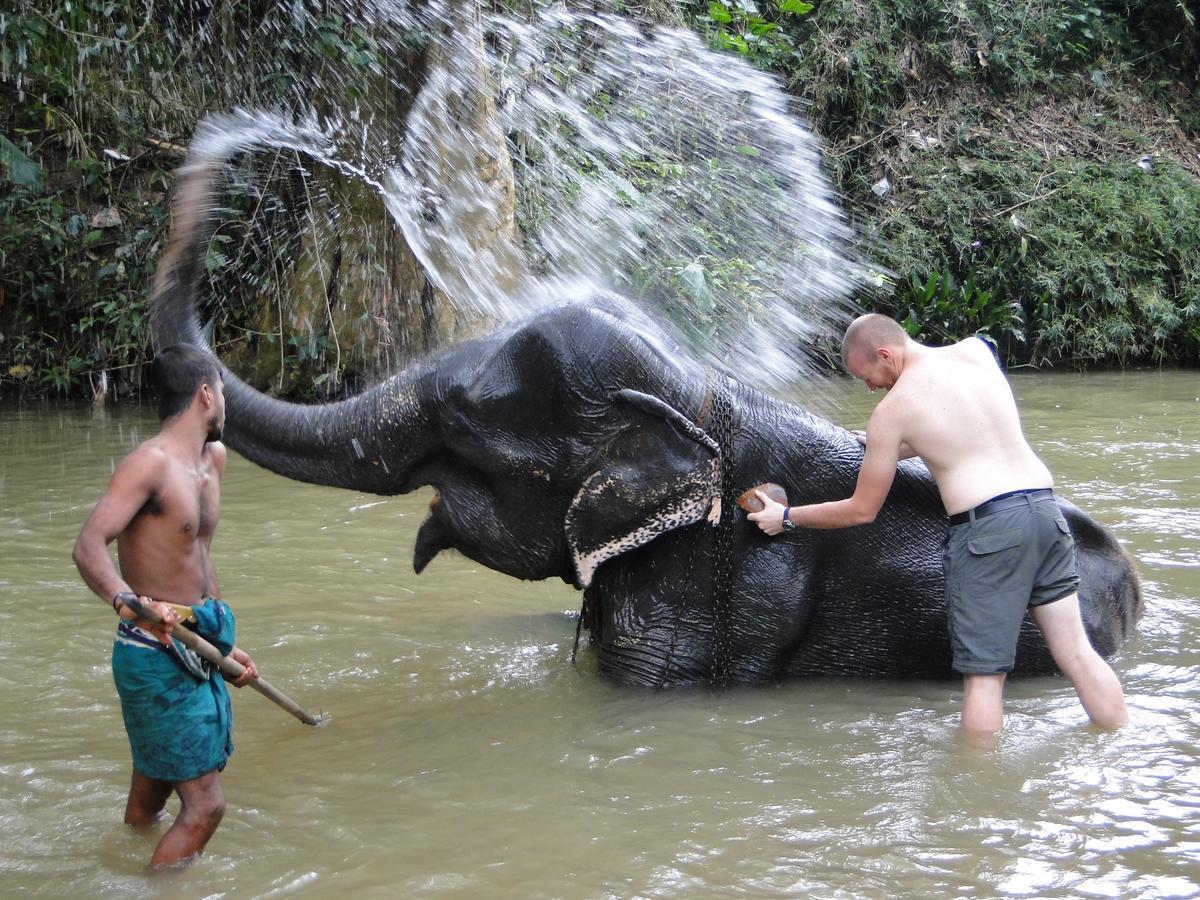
954, 408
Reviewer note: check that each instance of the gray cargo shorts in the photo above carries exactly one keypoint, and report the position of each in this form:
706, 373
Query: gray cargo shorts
998, 566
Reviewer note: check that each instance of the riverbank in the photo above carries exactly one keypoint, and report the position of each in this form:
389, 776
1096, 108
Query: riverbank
1030, 173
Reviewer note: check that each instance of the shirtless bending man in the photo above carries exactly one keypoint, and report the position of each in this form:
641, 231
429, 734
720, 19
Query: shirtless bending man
161, 506
1009, 547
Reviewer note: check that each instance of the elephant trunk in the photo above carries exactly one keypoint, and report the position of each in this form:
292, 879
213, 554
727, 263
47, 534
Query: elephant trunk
368, 443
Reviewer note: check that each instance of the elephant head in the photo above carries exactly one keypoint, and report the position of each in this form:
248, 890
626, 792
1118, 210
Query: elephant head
535, 438
581, 444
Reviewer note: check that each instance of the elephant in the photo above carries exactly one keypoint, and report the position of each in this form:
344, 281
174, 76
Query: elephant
583, 443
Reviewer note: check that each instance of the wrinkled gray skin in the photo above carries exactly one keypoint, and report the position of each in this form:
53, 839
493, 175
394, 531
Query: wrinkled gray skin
565, 447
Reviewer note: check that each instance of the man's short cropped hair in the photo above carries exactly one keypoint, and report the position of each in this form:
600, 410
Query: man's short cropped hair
870, 332
178, 371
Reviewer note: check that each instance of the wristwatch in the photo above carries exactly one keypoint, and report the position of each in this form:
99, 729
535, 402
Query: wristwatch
787, 523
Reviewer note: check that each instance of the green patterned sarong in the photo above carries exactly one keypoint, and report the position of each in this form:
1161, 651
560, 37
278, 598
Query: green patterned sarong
176, 709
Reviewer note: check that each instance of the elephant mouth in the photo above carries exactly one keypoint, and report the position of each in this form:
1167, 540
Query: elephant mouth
432, 537
467, 519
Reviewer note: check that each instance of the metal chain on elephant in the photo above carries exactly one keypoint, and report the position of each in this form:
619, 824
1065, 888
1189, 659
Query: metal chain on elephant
722, 586
699, 533
717, 404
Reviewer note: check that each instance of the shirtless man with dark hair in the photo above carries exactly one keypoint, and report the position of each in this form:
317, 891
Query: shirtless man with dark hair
161, 507
1009, 548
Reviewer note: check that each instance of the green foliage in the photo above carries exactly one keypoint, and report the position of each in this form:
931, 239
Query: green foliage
1101, 259
318, 33
940, 310
78, 226
73, 292
88, 91
1136, 294
1044, 235
857, 62
754, 30
1016, 225
714, 278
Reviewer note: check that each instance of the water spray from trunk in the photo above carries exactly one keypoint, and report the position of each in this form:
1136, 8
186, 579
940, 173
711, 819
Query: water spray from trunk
543, 156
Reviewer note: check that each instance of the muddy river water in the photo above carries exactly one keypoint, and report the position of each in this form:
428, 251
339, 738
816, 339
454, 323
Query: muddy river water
466, 756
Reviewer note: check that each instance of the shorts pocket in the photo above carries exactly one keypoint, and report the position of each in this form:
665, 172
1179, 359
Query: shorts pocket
994, 543
1062, 525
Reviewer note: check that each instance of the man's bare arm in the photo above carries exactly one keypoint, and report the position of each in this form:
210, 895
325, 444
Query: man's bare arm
217, 449
906, 452
132, 484
875, 479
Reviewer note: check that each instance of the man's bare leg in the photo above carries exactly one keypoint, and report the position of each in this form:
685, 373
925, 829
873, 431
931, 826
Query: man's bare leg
202, 804
1094, 680
983, 703
147, 797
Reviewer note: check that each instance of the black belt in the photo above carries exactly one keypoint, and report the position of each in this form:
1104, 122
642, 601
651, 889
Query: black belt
1002, 502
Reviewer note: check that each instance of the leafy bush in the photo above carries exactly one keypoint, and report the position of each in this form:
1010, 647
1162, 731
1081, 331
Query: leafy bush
1009, 136
74, 284
991, 156
754, 30
94, 95
941, 310
1100, 259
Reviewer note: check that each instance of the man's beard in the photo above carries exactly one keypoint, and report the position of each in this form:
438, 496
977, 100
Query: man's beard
215, 430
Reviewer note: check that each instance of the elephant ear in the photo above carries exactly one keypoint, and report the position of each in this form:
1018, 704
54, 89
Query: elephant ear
659, 472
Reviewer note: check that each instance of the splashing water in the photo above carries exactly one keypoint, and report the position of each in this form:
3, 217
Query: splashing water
546, 155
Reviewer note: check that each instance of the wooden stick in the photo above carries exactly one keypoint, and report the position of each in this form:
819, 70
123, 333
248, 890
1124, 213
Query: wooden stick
230, 667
